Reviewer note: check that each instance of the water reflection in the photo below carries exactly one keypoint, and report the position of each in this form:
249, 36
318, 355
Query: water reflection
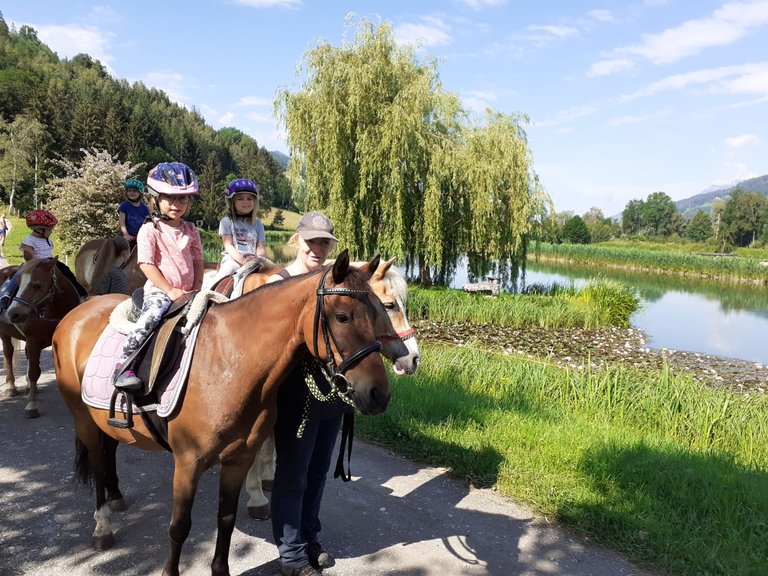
695, 315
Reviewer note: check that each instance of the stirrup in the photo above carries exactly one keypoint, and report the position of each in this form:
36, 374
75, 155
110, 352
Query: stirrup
127, 422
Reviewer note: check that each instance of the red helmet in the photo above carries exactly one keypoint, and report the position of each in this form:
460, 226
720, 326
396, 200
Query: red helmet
41, 219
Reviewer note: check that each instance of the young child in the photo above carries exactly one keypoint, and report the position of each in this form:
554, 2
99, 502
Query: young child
170, 254
242, 233
5, 227
132, 211
38, 243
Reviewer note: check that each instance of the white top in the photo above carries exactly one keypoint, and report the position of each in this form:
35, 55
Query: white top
41, 247
246, 236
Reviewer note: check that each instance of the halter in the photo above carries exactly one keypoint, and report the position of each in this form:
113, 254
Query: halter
336, 373
36, 307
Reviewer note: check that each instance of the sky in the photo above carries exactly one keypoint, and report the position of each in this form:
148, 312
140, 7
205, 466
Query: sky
625, 98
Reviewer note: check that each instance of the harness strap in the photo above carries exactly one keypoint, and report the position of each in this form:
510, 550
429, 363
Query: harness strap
347, 433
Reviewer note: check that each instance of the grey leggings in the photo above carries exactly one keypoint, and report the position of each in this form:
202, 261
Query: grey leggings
152, 310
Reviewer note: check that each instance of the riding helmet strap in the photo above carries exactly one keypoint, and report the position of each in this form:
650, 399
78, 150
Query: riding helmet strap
347, 432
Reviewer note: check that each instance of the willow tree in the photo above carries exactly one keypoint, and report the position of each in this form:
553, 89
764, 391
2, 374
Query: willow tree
393, 159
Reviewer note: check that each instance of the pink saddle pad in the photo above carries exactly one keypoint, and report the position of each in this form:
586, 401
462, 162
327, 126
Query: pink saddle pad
97, 385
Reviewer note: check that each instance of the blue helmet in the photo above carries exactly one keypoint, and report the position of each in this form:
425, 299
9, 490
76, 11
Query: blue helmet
173, 179
241, 185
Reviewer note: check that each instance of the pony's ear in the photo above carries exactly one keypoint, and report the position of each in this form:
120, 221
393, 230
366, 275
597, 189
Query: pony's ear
372, 264
341, 267
383, 268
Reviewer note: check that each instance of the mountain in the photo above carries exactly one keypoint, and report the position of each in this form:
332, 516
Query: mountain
703, 201
280, 158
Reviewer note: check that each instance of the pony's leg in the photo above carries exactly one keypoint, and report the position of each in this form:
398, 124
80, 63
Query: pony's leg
233, 472
9, 355
90, 467
267, 463
115, 499
258, 504
33, 375
186, 477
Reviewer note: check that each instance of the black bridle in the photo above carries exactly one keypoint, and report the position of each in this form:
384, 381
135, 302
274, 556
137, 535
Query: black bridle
336, 373
37, 307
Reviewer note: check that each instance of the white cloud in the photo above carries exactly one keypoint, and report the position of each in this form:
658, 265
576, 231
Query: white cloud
259, 117
566, 116
552, 30
725, 26
480, 4
434, 32
253, 101
169, 82
608, 67
601, 15
741, 79
641, 118
73, 39
478, 100
226, 119
268, 3
742, 141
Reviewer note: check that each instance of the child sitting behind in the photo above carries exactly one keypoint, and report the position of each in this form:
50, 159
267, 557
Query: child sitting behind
241, 232
170, 254
132, 212
38, 243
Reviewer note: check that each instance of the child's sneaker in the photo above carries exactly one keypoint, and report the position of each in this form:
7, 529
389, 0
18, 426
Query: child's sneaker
127, 380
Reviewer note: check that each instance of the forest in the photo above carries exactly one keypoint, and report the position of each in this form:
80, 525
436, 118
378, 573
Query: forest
52, 111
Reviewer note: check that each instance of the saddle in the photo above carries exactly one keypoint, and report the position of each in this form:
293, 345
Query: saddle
157, 356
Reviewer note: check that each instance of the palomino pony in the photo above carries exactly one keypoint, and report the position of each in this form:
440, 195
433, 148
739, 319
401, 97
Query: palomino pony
391, 288
245, 349
43, 298
96, 260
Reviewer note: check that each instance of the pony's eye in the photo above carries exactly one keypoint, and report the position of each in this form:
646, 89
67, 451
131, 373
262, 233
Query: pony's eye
342, 317
390, 306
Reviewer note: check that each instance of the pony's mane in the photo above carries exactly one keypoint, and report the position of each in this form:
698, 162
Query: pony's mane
394, 280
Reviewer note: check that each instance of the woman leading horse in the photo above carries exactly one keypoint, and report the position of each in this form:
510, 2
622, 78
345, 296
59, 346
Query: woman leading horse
229, 405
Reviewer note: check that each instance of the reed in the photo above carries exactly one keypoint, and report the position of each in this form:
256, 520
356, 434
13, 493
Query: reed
656, 466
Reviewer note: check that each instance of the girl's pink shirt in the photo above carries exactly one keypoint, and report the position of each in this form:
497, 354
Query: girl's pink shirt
172, 250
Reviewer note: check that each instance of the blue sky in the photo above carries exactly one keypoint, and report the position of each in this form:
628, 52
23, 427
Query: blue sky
625, 98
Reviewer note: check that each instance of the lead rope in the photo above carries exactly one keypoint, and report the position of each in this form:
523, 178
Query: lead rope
314, 392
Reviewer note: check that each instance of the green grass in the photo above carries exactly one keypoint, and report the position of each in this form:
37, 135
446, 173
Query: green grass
597, 304
651, 258
657, 467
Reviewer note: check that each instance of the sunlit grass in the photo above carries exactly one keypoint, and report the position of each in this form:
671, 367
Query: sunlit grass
596, 305
668, 472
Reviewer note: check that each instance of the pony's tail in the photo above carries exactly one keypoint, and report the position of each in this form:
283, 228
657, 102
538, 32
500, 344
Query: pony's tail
83, 470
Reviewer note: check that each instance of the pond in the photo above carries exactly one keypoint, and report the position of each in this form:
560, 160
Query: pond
694, 315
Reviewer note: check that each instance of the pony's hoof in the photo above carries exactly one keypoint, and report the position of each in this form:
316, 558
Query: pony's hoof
259, 512
267, 485
117, 505
101, 543
11, 392
33, 413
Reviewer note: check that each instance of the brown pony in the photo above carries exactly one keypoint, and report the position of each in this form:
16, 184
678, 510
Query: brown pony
391, 288
96, 259
43, 298
245, 349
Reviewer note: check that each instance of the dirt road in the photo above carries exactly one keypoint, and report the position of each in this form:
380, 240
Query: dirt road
396, 517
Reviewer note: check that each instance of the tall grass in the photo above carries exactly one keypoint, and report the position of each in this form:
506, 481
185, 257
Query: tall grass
656, 466
597, 304
664, 262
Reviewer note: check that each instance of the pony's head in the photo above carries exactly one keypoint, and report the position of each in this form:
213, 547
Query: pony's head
342, 334
38, 283
95, 259
397, 337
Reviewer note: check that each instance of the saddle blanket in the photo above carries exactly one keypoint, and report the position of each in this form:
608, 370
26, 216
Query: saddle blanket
97, 385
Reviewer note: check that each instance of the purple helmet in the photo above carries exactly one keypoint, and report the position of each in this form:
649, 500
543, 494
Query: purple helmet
173, 179
241, 185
